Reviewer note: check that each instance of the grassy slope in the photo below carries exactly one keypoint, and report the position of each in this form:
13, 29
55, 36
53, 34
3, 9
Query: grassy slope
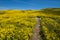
50, 25
18, 24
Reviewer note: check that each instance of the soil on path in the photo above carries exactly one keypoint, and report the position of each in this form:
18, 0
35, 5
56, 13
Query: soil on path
36, 30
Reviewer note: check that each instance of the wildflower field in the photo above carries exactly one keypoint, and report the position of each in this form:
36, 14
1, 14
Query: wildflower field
19, 24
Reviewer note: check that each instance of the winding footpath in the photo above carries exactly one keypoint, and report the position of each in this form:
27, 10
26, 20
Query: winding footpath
36, 30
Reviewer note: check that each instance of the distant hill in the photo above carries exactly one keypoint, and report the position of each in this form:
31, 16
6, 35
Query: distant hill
47, 11
52, 10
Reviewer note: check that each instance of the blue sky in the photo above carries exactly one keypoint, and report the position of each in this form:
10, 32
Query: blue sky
29, 4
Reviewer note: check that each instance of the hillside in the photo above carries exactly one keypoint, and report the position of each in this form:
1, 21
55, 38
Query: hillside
19, 24
55, 11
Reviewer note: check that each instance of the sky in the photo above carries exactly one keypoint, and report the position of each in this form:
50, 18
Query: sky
29, 4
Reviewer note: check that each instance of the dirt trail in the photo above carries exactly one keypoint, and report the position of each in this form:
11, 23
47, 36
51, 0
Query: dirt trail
36, 30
